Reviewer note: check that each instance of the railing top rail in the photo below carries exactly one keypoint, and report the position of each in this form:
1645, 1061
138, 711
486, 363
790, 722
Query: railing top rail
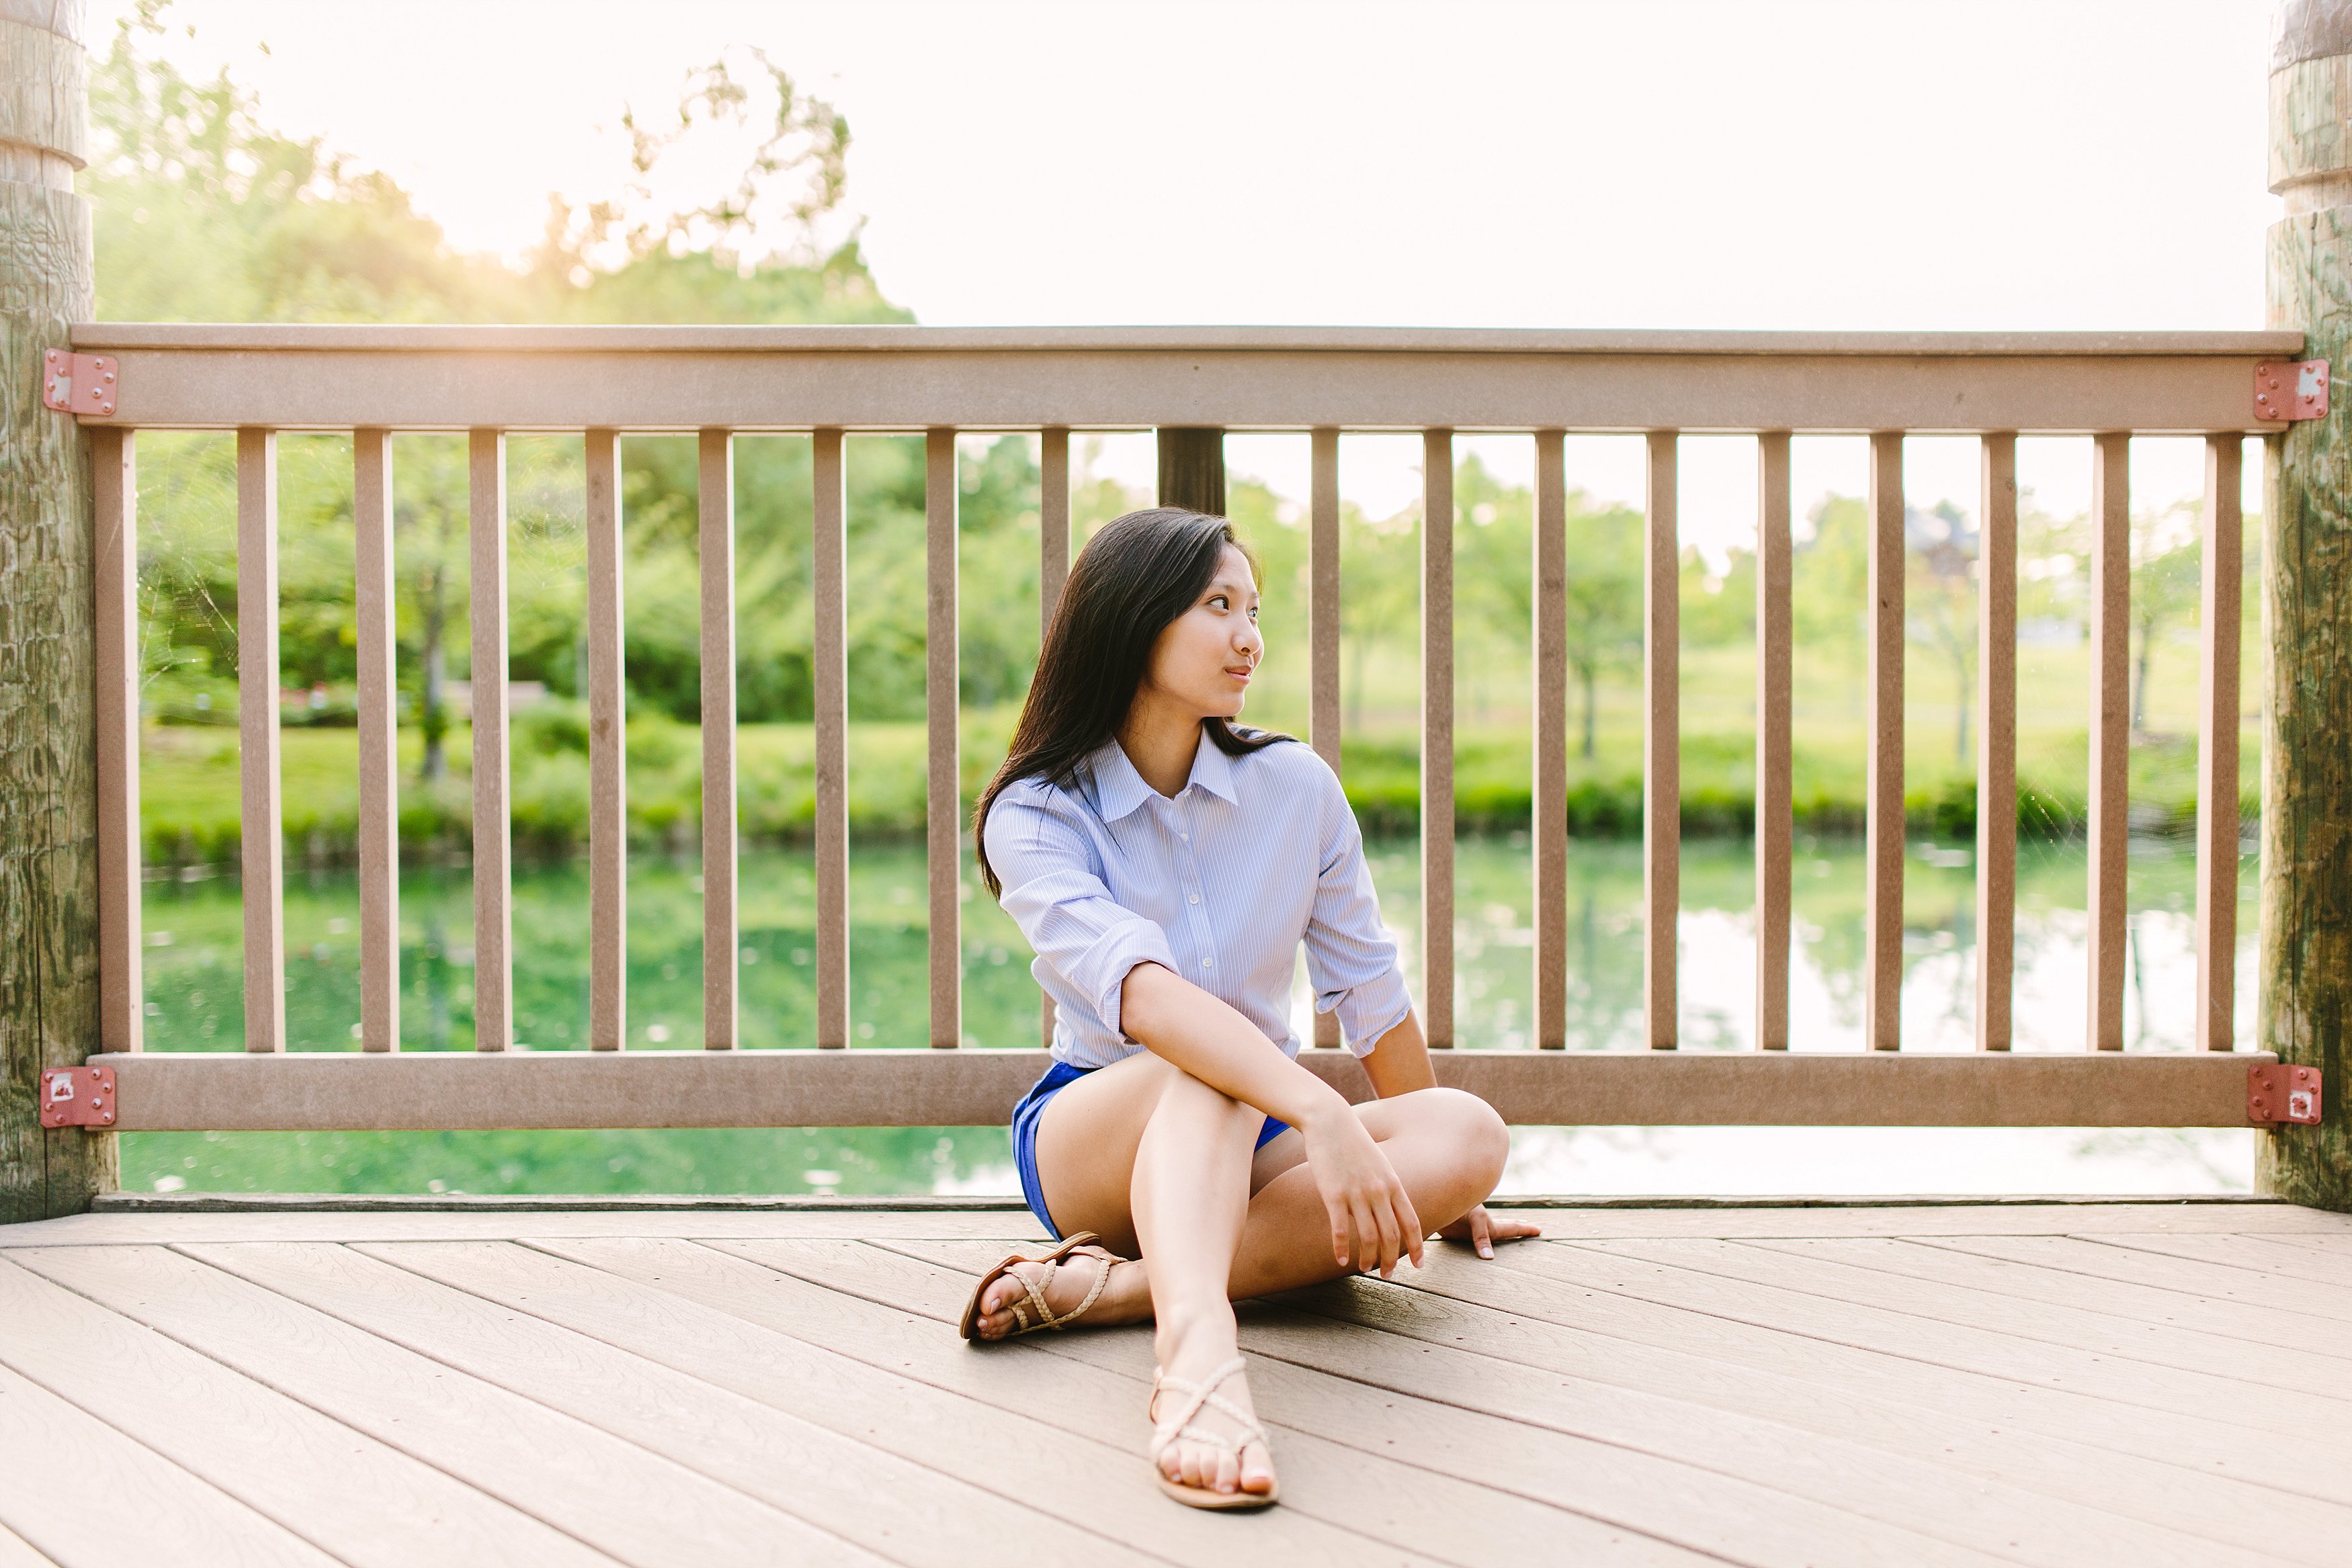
116, 336
298, 377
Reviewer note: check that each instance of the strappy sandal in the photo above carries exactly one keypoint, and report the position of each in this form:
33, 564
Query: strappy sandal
1080, 1244
1179, 1428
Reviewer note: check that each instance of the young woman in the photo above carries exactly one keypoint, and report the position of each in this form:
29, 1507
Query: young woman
1165, 865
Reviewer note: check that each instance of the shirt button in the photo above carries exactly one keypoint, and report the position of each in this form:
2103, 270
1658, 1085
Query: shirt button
1193, 898
1207, 963
1186, 837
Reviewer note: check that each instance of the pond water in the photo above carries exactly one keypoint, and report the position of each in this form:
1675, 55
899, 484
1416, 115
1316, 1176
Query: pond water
194, 999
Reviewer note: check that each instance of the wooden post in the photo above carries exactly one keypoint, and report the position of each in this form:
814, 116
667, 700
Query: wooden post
1437, 737
1775, 641
944, 809
1997, 745
715, 500
48, 714
1193, 469
1323, 627
1053, 572
2306, 928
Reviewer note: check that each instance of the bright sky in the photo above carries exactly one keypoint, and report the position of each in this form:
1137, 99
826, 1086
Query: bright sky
1896, 164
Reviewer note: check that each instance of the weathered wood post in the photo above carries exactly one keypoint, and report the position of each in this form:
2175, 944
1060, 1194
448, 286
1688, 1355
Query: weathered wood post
48, 736
1192, 469
2306, 941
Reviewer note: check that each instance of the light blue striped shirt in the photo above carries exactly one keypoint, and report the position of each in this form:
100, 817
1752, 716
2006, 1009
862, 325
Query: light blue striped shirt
1254, 854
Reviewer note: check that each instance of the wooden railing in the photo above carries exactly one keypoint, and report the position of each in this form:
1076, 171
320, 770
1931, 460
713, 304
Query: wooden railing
829, 381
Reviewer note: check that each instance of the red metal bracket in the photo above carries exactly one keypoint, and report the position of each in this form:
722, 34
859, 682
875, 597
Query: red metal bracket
77, 383
77, 1097
2291, 389
2277, 1092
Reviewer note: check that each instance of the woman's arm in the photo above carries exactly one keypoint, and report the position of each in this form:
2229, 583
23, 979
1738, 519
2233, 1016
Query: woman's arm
1399, 1064
1373, 1220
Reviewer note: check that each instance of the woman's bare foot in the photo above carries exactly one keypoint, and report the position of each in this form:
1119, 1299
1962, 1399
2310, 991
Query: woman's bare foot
1190, 1361
1126, 1296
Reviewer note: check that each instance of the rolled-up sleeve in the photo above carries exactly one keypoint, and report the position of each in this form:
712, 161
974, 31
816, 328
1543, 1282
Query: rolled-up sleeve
1351, 960
1055, 894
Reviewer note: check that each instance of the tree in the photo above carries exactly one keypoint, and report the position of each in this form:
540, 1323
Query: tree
2167, 573
1604, 600
1940, 591
202, 212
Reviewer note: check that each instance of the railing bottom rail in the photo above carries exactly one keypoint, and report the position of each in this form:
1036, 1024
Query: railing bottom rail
301, 1091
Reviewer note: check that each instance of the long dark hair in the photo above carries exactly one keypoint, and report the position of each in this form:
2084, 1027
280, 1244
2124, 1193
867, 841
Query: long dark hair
1138, 574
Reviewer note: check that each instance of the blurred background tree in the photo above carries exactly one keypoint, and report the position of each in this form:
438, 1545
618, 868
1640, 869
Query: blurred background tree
205, 212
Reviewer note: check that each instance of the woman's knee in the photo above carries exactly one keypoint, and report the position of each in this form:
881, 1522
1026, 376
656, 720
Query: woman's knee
1197, 1103
1467, 1128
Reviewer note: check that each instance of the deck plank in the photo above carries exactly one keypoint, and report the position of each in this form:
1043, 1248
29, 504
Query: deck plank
1953, 1345
645, 1297
1961, 1305
2036, 1382
2027, 1434
2257, 1254
2252, 1291
1304, 1404
816, 1474
2034, 1286
166, 1227
352, 1496
152, 1229
1325, 1485
1993, 1217
633, 1504
1921, 1493
84, 1496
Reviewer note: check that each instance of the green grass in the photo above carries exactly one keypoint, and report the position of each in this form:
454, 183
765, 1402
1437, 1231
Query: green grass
189, 787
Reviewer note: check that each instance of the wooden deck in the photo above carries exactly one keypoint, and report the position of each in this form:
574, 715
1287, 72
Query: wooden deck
2039, 1384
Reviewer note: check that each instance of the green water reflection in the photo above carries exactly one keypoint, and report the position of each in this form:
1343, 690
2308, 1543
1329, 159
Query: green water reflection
194, 994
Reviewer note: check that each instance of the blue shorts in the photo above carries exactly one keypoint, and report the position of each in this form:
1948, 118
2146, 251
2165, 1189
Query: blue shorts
1058, 1077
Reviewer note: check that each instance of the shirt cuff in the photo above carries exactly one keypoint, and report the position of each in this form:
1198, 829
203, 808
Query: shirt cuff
1369, 1010
1103, 968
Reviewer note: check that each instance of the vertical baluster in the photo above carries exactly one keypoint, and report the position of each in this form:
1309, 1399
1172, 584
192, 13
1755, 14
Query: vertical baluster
1323, 627
485, 531
1052, 522
263, 823
1881, 1008
2216, 749
1662, 789
608, 779
1549, 635
831, 576
1775, 655
943, 813
379, 742
114, 467
1997, 745
2110, 733
1052, 570
1437, 734
715, 501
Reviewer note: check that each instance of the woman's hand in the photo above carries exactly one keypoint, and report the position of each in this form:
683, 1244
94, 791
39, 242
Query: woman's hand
1482, 1230
1372, 1221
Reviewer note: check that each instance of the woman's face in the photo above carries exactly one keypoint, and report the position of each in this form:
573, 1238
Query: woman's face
1204, 659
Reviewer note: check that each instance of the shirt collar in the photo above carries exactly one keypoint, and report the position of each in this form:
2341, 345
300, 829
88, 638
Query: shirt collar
1119, 788
1213, 770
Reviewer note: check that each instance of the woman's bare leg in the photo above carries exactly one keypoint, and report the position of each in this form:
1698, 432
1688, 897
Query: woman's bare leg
1447, 1147
1190, 1199
1160, 1164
